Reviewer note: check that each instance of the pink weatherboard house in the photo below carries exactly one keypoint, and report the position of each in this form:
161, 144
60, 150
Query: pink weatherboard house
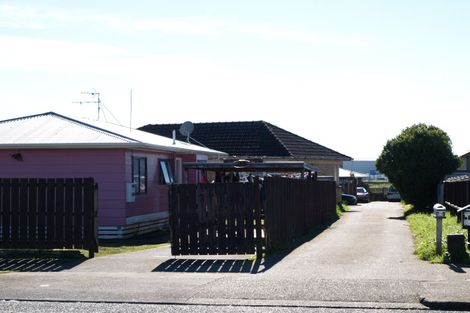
133, 168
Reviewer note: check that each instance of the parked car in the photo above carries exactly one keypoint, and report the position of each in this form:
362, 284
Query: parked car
348, 199
362, 194
393, 194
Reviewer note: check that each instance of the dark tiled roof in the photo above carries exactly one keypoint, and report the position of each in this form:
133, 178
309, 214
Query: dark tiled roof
254, 139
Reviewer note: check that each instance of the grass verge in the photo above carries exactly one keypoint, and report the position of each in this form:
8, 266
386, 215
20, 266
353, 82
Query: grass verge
106, 247
423, 226
109, 250
340, 209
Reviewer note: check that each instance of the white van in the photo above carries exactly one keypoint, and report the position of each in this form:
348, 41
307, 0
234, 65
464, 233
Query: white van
393, 194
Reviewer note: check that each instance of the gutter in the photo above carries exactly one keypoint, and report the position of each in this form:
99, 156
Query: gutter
108, 146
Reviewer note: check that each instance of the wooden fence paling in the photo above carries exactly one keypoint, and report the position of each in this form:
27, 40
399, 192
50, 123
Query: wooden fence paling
23, 210
60, 212
227, 218
42, 216
213, 219
32, 211
49, 213
295, 206
6, 210
69, 213
15, 214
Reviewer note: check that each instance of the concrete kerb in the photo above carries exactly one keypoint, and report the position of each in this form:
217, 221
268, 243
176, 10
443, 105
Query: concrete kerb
254, 303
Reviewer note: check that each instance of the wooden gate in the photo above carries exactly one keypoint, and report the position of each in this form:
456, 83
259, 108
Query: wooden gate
49, 214
216, 219
457, 192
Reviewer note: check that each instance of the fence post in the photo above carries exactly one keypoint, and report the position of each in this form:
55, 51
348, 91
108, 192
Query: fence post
259, 239
94, 212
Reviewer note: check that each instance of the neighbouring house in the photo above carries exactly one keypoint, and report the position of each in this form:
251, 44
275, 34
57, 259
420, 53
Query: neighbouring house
464, 168
460, 174
133, 168
258, 140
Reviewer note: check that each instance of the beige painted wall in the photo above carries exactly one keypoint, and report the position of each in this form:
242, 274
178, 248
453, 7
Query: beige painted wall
327, 167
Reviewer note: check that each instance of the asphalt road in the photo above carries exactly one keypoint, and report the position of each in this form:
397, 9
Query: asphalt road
365, 260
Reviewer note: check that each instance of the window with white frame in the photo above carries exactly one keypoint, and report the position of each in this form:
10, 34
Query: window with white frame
166, 176
139, 174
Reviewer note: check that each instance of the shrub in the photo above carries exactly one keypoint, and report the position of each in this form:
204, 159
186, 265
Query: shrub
416, 161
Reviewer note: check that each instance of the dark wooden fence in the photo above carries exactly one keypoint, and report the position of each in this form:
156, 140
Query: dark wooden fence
215, 219
49, 214
295, 206
237, 218
457, 192
349, 186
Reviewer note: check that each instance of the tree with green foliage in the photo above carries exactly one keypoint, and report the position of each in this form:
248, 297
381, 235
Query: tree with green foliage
416, 161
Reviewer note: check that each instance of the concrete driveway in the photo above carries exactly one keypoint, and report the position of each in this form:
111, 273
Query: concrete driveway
363, 260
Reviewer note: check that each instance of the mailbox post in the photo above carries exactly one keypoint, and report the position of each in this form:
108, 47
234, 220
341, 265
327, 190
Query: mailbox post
439, 214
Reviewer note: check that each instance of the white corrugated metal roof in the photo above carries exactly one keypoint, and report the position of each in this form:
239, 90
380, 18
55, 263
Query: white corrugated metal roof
348, 173
52, 130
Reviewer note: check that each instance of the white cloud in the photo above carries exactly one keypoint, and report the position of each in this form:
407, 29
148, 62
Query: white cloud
270, 33
19, 18
32, 18
177, 25
28, 17
55, 55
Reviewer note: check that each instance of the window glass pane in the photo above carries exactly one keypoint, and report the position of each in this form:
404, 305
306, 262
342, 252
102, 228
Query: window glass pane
143, 175
170, 172
139, 174
135, 173
166, 172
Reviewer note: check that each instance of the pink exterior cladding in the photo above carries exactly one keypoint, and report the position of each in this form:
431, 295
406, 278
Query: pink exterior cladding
111, 169
105, 165
156, 198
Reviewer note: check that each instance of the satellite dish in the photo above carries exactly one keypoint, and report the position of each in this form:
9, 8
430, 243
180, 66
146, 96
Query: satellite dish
186, 129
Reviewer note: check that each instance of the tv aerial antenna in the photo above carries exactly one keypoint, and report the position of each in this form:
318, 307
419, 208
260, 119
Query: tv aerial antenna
99, 105
94, 94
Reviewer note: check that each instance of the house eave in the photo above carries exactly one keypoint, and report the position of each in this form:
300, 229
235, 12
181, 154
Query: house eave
308, 157
107, 146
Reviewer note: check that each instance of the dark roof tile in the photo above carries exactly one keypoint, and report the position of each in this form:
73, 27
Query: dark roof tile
255, 139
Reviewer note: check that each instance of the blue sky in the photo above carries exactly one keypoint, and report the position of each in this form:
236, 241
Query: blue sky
346, 74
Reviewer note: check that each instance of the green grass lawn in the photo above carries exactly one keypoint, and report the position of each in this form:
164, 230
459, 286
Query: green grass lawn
142, 242
423, 226
108, 250
106, 247
379, 187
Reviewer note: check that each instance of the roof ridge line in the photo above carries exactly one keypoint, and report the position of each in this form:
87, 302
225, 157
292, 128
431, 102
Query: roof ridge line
267, 124
27, 116
226, 122
73, 120
309, 141
83, 123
